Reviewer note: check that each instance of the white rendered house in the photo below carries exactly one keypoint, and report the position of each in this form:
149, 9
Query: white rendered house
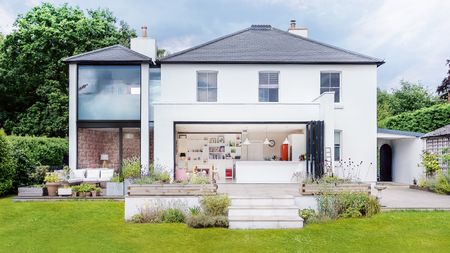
260, 105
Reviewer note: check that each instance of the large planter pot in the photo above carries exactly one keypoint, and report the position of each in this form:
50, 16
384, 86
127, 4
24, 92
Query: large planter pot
64, 191
52, 188
30, 191
114, 189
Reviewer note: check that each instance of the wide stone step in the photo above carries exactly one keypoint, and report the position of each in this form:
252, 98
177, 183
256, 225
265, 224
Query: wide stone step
274, 222
262, 201
262, 211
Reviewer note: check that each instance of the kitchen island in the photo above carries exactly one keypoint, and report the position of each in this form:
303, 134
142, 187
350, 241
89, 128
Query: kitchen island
268, 171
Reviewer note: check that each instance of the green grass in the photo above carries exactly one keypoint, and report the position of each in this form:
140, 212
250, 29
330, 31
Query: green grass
88, 226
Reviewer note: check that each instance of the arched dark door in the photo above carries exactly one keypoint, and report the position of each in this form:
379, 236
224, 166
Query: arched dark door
385, 163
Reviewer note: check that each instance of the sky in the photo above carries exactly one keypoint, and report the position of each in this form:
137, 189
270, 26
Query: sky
412, 36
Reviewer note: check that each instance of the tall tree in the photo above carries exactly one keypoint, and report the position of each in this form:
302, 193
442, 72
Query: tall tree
33, 78
444, 89
410, 97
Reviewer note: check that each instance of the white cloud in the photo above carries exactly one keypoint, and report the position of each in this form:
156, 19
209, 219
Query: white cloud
412, 36
177, 44
6, 18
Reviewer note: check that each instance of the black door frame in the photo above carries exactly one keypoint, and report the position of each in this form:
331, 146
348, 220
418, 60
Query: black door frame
315, 149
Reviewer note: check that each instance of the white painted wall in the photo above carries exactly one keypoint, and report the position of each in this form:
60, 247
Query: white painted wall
73, 116
145, 135
406, 158
299, 85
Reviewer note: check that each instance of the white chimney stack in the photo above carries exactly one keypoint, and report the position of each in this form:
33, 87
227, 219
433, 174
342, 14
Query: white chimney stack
144, 44
301, 31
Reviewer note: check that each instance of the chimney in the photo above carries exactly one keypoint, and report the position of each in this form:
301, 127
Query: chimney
300, 31
144, 44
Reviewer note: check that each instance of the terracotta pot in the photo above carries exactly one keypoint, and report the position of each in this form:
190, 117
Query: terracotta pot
74, 193
52, 188
82, 194
94, 193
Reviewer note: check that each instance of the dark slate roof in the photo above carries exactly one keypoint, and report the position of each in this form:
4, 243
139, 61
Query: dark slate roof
443, 131
266, 44
398, 132
112, 54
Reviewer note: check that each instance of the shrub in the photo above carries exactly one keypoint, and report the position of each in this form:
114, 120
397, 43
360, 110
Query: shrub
430, 163
173, 215
199, 179
131, 168
41, 150
6, 165
194, 210
306, 214
215, 205
348, 204
38, 175
51, 178
206, 221
148, 215
422, 120
441, 184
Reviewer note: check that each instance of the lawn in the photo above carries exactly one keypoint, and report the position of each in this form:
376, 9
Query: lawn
88, 226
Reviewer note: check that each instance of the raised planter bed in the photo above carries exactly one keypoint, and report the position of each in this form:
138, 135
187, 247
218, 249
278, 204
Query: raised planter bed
30, 191
171, 189
314, 189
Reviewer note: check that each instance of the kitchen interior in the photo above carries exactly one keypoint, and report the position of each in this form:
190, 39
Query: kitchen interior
241, 153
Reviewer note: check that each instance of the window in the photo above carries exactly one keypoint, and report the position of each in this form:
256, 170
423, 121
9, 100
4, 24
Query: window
268, 86
154, 90
207, 86
109, 92
337, 145
331, 81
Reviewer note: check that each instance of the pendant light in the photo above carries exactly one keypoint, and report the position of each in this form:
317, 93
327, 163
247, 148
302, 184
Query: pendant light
246, 141
286, 141
266, 140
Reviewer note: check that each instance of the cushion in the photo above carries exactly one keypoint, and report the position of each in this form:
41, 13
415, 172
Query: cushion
93, 173
80, 173
106, 173
75, 180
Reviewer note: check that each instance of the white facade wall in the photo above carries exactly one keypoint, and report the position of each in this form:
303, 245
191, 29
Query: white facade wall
299, 86
406, 160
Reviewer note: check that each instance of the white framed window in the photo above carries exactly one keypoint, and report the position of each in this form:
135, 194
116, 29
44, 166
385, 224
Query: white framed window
337, 145
207, 86
331, 81
268, 86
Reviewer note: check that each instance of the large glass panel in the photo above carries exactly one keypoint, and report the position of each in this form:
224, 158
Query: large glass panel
155, 90
268, 86
109, 92
207, 86
98, 148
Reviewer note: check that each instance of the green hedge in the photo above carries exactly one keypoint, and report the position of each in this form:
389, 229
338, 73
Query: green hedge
6, 165
423, 121
40, 150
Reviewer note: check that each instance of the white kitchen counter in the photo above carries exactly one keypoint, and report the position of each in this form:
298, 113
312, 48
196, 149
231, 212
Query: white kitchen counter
268, 171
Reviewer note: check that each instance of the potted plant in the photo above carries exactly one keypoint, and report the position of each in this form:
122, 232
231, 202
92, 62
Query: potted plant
95, 191
115, 187
84, 190
52, 183
131, 170
75, 190
65, 191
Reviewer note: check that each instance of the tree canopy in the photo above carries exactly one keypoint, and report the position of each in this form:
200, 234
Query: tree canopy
409, 97
444, 89
33, 78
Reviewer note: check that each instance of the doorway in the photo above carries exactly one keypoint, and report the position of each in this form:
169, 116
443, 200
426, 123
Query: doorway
385, 163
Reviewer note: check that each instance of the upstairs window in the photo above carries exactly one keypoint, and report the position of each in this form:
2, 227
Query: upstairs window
268, 86
207, 86
109, 92
331, 81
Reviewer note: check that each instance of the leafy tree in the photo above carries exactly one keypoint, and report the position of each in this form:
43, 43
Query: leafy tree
444, 89
409, 97
33, 78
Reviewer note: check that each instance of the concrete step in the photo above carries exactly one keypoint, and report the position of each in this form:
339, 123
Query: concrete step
262, 201
274, 222
262, 211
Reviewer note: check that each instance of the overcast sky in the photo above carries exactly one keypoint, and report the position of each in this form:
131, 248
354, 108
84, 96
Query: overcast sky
413, 37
